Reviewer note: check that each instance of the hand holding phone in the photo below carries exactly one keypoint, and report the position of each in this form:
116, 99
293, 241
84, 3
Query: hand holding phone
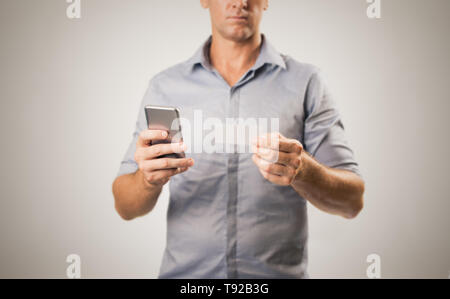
157, 171
160, 150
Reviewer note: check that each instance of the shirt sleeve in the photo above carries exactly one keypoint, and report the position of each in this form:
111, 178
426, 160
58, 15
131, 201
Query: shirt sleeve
324, 135
128, 164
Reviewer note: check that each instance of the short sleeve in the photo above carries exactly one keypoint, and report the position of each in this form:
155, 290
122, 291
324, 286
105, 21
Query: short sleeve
128, 164
324, 135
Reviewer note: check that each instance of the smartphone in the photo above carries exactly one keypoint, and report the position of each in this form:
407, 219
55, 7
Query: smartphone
166, 119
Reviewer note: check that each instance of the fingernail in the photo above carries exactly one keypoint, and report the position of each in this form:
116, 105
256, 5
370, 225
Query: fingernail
164, 134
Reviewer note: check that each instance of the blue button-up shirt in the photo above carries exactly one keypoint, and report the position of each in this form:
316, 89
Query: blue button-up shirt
224, 219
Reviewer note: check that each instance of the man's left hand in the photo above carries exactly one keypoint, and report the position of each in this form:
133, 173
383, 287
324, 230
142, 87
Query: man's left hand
279, 159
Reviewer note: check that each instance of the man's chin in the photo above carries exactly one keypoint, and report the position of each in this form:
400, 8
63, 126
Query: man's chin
239, 36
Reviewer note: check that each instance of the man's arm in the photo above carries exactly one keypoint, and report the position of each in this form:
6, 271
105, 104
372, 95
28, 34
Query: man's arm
133, 196
283, 161
335, 191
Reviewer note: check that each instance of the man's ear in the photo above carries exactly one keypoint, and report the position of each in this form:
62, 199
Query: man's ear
204, 3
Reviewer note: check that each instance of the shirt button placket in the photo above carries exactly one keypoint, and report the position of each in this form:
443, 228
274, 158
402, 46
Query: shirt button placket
233, 159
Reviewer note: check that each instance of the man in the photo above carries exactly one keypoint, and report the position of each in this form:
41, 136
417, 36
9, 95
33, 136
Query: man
241, 215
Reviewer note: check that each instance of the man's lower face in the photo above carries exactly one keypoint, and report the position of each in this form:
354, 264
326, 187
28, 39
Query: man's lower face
237, 32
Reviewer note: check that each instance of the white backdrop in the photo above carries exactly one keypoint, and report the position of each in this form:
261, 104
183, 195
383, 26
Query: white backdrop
70, 91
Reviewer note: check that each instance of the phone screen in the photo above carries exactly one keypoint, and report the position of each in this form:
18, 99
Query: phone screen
166, 119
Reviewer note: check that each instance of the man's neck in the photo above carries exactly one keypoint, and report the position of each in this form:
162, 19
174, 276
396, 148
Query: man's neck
233, 59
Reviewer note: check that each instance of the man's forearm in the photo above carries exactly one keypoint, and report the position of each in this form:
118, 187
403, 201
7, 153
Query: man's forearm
133, 196
331, 190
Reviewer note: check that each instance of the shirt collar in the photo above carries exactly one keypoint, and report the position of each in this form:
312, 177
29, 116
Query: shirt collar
268, 55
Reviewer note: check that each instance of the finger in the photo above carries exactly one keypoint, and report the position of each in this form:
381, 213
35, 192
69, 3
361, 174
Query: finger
270, 140
160, 175
273, 168
290, 146
267, 154
276, 179
157, 150
166, 163
146, 136
274, 156
280, 143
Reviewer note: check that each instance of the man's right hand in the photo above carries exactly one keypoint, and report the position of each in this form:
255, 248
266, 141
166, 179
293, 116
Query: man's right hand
158, 171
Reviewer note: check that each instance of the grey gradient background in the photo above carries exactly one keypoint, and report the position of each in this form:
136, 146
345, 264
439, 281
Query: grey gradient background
70, 90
